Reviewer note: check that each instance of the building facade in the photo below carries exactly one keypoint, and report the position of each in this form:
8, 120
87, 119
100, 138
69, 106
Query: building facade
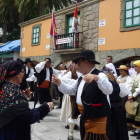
107, 27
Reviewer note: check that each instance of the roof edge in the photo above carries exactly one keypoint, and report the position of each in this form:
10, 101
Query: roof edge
66, 10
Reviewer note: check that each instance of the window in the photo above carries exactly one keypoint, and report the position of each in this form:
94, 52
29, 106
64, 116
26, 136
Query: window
36, 32
131, 13
70, 20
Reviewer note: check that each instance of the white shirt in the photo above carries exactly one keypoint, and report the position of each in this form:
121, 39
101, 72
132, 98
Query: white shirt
126, 81
132, 71
103, 83
41, 66
31, 71
32, 78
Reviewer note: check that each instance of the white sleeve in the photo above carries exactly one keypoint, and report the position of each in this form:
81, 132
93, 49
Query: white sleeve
55, 72
104, 85
32, 78
128, 84
68, 75
31, 72
137, 91
124, 91
68, 89
40, 66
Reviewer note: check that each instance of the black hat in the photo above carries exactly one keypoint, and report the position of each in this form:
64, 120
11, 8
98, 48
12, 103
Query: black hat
27, 60
87, 54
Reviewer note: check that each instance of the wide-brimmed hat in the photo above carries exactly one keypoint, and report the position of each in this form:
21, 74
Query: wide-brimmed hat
131, 107
87, 54
123, 67
27, 60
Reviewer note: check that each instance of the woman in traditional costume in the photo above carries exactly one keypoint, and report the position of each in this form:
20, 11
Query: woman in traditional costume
15, 114
126, 80
135, 97
117, 126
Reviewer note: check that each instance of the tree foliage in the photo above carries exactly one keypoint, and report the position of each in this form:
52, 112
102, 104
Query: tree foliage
12, 12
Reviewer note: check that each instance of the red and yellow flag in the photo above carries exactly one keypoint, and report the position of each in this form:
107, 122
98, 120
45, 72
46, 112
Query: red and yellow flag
53, 26
75, 20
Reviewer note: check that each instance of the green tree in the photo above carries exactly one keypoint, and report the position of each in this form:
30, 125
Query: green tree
13, 12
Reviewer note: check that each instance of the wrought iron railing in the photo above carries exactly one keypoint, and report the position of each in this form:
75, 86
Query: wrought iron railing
67, 41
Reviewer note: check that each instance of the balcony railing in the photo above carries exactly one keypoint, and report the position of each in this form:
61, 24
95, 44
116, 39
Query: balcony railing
67, 41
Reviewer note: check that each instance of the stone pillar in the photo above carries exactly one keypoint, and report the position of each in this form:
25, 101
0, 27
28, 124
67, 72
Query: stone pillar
90, 27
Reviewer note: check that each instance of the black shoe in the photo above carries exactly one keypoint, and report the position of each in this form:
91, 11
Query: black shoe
138, 137
67, 126
58, 107
76, 127
134, 134
70, 138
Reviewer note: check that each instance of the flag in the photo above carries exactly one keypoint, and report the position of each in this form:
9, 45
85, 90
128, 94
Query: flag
53, 26
75, 20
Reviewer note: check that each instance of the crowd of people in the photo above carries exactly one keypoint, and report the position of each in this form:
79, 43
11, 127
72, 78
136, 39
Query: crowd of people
107, 101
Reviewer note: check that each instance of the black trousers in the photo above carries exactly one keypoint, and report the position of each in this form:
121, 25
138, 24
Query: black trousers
44, 95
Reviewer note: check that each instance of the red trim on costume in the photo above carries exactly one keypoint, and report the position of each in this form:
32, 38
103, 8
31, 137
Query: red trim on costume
97, 104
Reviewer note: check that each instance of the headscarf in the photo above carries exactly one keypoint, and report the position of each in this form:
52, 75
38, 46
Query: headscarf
111, 66
109, 74
10, 69
137, 63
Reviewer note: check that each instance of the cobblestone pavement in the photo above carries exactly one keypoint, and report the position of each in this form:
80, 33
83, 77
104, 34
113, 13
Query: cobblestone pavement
50, 128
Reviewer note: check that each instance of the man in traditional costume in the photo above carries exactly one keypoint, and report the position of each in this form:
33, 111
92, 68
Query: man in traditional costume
91, 97
28, 73
44, 75
135, 97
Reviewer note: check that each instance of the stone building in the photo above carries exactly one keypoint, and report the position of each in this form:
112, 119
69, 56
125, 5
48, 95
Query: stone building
106, 27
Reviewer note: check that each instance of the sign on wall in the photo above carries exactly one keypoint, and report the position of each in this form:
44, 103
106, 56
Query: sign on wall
63, 41
101, 41
48, 35
23, 49
102, 23
47, 47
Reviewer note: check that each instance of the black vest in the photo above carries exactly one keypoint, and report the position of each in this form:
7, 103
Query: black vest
23, 84
28, 73
115, 99
42, 76
91, 97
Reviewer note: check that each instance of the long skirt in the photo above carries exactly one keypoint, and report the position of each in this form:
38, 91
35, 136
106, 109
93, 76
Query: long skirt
117, 125
65, 109
43, 95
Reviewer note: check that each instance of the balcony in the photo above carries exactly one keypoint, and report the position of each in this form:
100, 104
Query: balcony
67, 43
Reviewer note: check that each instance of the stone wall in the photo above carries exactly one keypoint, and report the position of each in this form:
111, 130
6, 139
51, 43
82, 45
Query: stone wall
90, 27
116, 54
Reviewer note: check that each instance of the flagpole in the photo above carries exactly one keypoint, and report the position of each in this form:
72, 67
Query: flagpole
53, 31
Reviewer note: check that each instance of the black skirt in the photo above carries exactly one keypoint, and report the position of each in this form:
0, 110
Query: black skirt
117, 125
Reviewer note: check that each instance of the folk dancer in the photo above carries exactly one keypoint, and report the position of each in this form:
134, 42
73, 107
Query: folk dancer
91, 99
135, 96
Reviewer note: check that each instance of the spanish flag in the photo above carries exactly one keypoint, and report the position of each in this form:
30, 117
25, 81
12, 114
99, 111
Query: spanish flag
53, 26
75, 20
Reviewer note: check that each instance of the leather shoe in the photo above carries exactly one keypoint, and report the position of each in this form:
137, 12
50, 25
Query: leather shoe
70, 138
134, 134
67, 126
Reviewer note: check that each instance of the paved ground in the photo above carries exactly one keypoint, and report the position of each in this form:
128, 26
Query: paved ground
51, 128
